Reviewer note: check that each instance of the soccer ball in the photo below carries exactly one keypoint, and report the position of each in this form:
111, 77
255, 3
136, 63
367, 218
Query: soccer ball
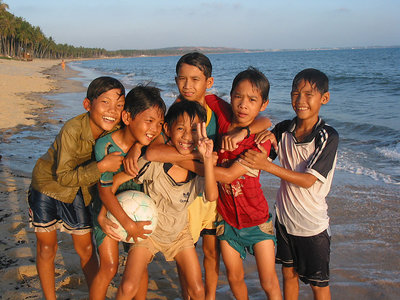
139, 207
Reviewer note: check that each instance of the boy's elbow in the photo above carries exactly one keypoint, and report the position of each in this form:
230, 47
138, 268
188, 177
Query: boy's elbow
226, 179
212, 197
150, 155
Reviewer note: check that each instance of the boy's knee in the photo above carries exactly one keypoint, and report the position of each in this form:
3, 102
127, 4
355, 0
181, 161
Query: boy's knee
235, 277
321, 292
289, 273
84, 250
270, 284
46, 251
127, 289
109, 269
197, 291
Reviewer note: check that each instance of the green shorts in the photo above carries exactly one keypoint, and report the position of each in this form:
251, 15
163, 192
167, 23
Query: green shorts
243, 240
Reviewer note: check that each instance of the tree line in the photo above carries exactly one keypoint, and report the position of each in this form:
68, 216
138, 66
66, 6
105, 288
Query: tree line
20, 39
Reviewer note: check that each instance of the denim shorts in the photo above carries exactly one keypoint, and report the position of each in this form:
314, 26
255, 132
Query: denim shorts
48, 214
243, 240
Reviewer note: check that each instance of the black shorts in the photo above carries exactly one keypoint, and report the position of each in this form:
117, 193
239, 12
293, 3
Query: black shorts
206, 231
309, 256
47, 214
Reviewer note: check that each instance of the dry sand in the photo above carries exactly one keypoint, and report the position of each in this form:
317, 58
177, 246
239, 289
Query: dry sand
22, 85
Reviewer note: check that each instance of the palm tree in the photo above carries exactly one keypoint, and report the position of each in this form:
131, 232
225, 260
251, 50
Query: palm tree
3, 6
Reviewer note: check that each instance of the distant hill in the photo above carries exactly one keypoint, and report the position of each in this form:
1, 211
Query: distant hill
210, 49
175, 51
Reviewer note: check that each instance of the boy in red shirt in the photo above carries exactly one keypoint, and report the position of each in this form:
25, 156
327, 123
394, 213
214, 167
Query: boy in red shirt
245, 223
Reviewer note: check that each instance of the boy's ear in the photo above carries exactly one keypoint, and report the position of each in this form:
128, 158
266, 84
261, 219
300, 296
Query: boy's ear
166, 129
210, 82
125, 117
325, 98
264, 105
87, 104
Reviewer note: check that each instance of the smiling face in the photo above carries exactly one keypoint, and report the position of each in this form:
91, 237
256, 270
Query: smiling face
183, 133
246, 101
146, 125
307, 101
192, 83
105, 111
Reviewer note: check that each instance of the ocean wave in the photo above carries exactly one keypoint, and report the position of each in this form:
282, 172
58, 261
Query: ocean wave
354, 163
392, 153
366, 131
364, 171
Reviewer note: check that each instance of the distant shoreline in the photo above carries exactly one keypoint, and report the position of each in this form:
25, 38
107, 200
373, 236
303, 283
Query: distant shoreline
178, 51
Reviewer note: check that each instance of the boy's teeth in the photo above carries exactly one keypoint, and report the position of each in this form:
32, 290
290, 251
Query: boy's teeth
109, 118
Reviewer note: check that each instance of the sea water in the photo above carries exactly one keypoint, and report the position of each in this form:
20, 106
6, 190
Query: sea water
364, 109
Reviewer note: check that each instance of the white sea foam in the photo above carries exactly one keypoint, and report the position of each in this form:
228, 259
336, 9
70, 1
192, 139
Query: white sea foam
357, 169
392, 153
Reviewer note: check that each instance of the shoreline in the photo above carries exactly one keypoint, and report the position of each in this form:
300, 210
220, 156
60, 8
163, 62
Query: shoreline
358, 246
25, 83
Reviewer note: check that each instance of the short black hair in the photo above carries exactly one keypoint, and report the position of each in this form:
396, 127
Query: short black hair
192, 108
141, 98
314, 77
101, 85
256, 78
198, 60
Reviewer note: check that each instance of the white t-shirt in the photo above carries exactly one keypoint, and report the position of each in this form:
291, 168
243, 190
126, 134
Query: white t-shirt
304, 211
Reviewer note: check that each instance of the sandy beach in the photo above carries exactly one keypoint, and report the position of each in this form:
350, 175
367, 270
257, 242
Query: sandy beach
24, 84
26, 95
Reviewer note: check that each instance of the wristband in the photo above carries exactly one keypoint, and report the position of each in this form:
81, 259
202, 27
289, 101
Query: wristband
248, 131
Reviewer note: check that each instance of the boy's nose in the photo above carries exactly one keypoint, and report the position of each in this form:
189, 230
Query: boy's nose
242, 104
187, 135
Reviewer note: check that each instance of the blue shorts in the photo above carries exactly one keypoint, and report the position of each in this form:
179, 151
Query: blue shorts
309, 256
48, 214
243, 240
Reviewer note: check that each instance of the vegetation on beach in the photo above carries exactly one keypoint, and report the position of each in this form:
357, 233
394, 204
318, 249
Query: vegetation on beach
20, 39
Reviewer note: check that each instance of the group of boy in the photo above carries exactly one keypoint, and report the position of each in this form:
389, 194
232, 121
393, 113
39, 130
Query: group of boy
64, 182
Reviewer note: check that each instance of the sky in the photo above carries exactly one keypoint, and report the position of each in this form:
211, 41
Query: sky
246, 24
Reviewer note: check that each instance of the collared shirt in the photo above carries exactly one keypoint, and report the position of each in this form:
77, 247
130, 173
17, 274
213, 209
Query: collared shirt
241, 203
69, 163
304, 211
172, 198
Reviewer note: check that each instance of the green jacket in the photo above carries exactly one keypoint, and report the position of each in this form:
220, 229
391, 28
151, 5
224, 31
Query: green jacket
69, 163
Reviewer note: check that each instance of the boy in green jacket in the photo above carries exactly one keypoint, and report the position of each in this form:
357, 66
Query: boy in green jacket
63, 181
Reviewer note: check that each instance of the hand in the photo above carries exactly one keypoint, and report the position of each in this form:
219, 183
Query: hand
130, 160
136, 230
230, 141
110, 163
107, 226
204, 144
265, 135
255, 159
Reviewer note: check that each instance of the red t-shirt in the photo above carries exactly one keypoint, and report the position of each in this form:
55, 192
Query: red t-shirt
241, 203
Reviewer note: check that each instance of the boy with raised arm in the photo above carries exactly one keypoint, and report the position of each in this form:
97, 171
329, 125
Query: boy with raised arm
173, 189
193, 79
